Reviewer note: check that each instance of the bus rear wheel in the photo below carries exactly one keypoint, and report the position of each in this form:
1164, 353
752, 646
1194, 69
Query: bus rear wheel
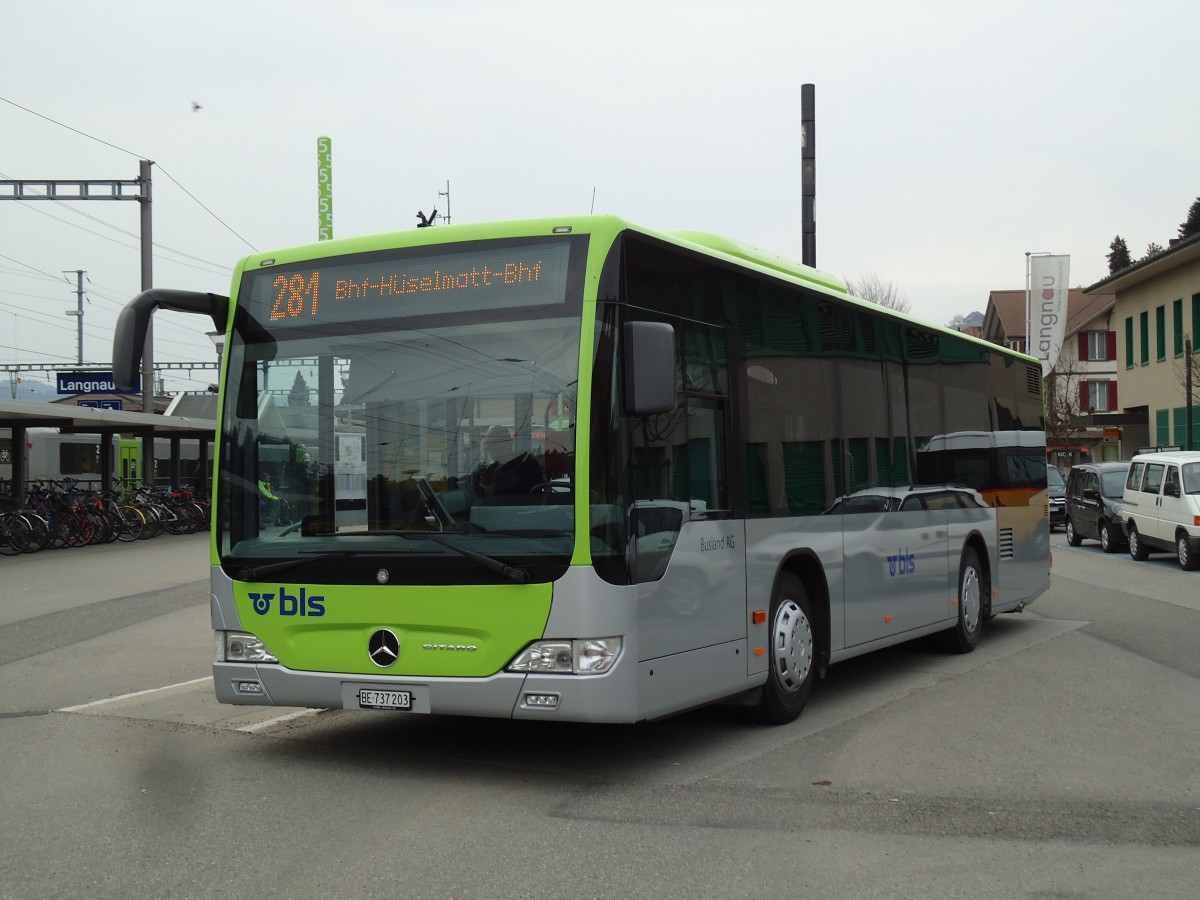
973, 594
791, 655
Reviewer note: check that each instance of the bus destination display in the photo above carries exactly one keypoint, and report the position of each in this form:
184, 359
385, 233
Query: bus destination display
386, 287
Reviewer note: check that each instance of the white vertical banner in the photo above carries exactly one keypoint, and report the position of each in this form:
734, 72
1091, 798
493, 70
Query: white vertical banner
1047, 307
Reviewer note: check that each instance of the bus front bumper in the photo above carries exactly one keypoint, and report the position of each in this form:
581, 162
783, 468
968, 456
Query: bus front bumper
567, 698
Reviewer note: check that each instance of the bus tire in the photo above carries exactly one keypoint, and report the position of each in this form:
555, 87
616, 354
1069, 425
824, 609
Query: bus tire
791, 657
973, 591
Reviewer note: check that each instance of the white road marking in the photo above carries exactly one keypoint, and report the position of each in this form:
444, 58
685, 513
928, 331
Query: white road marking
259, 726
157, 690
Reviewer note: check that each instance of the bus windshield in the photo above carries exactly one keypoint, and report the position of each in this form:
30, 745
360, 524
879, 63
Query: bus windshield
436, 435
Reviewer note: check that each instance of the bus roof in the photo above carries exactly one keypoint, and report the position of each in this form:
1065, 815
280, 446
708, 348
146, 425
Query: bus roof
607, 228
974, 440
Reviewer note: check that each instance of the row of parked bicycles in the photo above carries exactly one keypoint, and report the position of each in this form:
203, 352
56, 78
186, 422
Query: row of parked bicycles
59, 514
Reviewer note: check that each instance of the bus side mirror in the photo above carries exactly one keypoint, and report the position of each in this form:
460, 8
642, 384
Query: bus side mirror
130, 335
649, 362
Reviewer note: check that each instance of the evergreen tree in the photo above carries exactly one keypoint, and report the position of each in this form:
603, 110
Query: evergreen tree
1153, 249
1118, 255
298, 395
1192, 225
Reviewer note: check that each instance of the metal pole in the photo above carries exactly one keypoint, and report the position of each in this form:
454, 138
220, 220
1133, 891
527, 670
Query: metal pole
148, 350
808, 173
79, 310
446, 217
1189, 362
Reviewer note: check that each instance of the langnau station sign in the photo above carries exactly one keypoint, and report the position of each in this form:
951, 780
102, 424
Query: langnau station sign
92, 383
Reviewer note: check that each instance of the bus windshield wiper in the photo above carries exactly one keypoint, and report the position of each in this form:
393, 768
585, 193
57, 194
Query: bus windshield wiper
520, 576
256, 572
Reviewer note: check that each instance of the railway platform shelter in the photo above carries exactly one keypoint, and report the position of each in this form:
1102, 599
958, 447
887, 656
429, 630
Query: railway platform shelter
18, 416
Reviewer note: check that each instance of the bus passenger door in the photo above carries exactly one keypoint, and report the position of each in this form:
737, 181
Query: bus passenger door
687, 551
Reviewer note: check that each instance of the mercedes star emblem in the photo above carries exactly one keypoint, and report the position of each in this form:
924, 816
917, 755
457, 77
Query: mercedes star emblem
383, 648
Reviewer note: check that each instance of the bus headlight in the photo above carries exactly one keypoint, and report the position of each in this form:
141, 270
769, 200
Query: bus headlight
240, 646
582, 656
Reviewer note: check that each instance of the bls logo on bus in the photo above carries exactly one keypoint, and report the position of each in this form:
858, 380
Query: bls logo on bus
290, 604
903, 563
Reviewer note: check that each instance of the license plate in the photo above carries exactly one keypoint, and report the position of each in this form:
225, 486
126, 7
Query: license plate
385, 699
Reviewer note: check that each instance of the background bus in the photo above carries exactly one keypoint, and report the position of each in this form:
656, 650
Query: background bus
600, 466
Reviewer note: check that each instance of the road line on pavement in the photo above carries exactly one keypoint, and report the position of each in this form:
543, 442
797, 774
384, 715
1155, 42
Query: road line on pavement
144, 693
286, 717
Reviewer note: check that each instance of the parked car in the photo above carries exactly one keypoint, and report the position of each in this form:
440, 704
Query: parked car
1095, 494
1162, 506
1058, 497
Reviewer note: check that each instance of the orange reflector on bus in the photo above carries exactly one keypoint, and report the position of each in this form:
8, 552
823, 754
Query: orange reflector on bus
759, 651
954, 602
758, 616
887, 619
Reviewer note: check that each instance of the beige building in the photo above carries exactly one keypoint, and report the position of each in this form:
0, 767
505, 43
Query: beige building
1155, 315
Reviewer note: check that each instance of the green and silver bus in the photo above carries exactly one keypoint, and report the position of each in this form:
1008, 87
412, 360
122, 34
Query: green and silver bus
580, 470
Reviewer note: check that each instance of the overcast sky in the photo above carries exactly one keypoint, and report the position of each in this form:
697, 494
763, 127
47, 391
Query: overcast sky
952, 137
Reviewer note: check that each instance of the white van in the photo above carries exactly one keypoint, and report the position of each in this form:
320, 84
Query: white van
1162, 505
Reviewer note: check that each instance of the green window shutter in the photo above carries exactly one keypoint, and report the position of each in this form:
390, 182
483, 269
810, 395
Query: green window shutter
692, 472
1195, 322
758, 503
647, 469
1177, 316
1162, 427
883, 461
859, 475
1160, 332
1129, 342
900, 462
1144, 321
804, 477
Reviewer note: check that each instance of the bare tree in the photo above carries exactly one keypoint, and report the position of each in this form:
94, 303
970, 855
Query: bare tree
1060, 393
871, 288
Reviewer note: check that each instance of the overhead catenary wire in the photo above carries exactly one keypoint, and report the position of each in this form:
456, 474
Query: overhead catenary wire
171, 177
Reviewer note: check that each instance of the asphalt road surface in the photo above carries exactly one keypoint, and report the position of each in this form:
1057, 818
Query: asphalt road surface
1061, 759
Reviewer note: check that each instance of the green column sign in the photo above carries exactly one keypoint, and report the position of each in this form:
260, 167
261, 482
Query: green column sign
324, 188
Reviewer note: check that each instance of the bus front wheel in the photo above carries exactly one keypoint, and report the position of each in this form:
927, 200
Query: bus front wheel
973, 592
791, 656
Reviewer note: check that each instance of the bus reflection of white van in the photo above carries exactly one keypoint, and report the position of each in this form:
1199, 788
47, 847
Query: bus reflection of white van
907, 498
